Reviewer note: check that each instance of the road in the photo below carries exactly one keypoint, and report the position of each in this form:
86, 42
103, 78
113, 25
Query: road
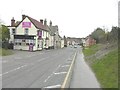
39, 69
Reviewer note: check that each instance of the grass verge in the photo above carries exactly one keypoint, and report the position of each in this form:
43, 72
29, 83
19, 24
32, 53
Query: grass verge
5, 52
91, 50
105, 68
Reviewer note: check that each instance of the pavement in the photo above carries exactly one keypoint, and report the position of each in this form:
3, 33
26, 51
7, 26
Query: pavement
39, 69
83, 77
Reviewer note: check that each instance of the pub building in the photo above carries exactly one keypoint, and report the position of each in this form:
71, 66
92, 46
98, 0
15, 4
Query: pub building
28, 34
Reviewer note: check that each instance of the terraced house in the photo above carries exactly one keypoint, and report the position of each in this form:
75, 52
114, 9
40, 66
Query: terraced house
29, 34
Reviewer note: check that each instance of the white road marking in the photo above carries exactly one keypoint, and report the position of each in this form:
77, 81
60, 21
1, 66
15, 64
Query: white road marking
65, 66
51, 74
54, 86
13, 70
60, 73
48, 77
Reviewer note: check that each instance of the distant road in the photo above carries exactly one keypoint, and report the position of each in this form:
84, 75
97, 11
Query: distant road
36, 69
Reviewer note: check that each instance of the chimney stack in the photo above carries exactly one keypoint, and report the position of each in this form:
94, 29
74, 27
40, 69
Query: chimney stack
23, 17
12, 22
41, 20
45, 22
50, 23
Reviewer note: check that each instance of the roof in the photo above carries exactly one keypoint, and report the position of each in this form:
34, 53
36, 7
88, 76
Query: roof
36, 23
17, 23
54, 29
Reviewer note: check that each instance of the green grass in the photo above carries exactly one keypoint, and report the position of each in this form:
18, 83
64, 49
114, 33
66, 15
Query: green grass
5, 52
91, 50
106, 70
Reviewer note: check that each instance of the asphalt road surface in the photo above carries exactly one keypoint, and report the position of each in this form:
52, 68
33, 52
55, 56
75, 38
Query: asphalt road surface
36, 69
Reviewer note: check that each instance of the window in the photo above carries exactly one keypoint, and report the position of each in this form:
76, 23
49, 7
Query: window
23, 40
19, 43
13, 31
27, 43
26, 31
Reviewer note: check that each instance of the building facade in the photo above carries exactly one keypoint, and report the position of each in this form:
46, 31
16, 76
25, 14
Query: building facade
28, 34
89, 41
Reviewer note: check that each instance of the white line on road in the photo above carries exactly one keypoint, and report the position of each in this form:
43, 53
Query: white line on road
65, 66
54, 86
48, 78
13, 70
60, 73
51, 74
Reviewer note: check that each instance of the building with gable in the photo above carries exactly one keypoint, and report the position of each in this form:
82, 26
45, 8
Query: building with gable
29, 34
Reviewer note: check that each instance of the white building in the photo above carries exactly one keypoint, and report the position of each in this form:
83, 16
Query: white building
29, 34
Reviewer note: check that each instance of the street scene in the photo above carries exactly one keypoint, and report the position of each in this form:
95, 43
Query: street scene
36, 69
55, 44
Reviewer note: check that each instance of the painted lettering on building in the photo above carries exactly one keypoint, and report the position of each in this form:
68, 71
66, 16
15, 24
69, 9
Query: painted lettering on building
26, 24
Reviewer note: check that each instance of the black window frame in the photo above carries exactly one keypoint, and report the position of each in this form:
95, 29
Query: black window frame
27, 31
13, 29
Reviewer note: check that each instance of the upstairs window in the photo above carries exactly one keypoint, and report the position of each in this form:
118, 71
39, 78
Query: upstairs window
13, 31
26, 31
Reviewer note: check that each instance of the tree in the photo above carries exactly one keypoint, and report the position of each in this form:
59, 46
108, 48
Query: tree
98, 35
113, 35
5, 36
5, 33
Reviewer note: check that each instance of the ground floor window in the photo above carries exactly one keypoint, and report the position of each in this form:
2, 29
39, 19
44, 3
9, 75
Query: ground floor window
24, 42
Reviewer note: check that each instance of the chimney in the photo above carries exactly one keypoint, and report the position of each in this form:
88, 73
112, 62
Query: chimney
50, 23
12, 22
23, 17
45, 22
41, 20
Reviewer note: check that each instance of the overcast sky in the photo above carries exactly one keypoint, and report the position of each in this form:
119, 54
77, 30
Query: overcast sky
75, 18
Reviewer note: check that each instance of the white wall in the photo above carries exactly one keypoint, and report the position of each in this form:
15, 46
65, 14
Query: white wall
11, 35
51, 40
62, 43
31, 31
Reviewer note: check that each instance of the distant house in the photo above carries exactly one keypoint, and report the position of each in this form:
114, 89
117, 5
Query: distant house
28, 34
55, 33
65, 41
83, 41
51, 36
89, 41
61, 40
73, 41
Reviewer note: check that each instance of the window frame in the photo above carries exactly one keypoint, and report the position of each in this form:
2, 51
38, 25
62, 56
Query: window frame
26, 29
14, 31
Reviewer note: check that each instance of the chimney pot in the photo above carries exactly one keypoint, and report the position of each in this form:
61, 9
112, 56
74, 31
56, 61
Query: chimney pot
50, 23
23, 17
13, 22
45, 22
41, 20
